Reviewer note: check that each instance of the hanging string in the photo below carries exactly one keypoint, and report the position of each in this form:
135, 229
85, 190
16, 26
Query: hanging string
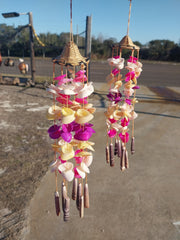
133, 101
71, 31
129, 18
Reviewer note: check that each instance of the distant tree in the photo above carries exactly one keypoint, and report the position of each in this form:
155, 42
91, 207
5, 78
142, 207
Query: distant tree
175, 54
138, 43
160, 49
15, 41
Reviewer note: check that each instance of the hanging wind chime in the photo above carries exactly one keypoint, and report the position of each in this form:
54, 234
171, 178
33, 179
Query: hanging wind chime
122, 98
71, 130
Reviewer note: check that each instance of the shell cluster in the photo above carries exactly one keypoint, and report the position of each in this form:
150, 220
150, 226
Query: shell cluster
71, 131
120, 111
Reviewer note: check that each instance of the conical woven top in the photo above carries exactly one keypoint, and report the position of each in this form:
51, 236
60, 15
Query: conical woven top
127, 43
70, 55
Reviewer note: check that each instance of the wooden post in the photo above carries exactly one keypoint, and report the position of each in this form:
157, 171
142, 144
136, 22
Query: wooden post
31, 40
88, 37
88, 40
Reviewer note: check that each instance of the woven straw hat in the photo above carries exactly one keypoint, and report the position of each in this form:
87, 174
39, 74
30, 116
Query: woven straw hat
127, 43
70, 55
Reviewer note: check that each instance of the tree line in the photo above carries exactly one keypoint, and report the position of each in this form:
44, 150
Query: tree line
15, 42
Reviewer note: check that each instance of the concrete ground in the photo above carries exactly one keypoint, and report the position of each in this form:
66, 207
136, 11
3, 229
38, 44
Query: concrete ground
142, 203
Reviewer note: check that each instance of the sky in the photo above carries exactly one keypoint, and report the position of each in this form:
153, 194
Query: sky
150, 19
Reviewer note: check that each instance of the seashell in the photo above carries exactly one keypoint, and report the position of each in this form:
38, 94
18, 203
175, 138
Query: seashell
67, 209
83, 116
68, 89
74, 189
54, 113
117, 114
132, 145
86, 91
118, 84
82, 170
67, 115
55, 147
134, 115
122, 162
67, 156
111, 154
88, 105
53, 89
83, 154
57, 205
84, 167
67, 151
88, 160
54, 109
126, 159
64, 194
66, 170
81, 173
85, 145
116, 147
54, 165
81, 207
119, 149
60, 143
92, 110
86, 196
107, 154
79, 194
128, 92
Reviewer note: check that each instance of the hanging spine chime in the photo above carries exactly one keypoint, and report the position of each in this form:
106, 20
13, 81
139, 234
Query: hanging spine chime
122, 98
71, 113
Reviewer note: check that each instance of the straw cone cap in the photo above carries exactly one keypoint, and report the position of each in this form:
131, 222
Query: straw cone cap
127, 43
70, 55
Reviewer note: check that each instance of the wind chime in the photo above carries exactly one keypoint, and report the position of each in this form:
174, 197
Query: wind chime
71, 130
122, 99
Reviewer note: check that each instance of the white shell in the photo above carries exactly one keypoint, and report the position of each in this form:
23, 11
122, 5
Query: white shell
53, 89
88, 160
83, 167
83, 116
81, 173
54, 109
66, 170
68, 117
134, 115
116, 62
86, 91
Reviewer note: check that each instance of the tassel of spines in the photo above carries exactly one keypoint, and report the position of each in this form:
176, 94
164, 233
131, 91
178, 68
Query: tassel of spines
132, 145
119, 149
111, 153
86, 196
126, 159
116, 147
64, 194
81, 207
107, 154
67, 209
122, 161
57, 205
79, 194
74, 189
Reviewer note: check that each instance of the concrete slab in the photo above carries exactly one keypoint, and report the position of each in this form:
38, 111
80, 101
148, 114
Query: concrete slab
142, 203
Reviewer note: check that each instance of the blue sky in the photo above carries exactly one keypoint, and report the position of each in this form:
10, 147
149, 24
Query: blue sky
150, 19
